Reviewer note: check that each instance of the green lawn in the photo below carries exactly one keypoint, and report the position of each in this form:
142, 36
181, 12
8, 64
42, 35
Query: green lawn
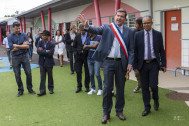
66, 108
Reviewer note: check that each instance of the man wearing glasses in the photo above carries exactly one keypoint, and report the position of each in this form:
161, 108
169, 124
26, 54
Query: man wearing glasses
149, 59
18, 44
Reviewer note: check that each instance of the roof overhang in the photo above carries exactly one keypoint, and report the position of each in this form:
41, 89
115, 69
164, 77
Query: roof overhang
55, 5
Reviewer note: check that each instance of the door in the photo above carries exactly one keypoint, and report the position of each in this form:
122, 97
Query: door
173, 38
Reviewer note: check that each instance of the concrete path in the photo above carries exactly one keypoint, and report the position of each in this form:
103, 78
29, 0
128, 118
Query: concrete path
167, 80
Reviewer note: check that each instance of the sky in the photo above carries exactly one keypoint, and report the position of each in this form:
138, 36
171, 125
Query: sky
9, 7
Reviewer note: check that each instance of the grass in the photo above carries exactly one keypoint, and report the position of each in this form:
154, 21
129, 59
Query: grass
66, 108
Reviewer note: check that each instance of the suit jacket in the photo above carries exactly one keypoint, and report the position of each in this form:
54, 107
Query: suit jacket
158, 49
106, 43
68, 41
46, 59
78, 46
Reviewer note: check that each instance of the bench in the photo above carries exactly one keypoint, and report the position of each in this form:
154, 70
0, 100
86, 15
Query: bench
181, 68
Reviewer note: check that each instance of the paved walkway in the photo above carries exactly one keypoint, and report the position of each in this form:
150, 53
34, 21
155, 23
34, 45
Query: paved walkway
167, 80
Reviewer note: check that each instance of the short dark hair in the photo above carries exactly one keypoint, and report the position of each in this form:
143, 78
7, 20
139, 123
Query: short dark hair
59, 31
73, 26
17, 24
138, 21
148, 16
81, 26
122, 10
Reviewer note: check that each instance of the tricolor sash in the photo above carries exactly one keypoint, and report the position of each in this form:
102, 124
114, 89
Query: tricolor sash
120, 38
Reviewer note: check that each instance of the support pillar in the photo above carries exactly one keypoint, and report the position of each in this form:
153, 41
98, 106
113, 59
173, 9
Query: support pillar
97, 11
117, 5
43, 20
49, 18
24, 22
0, 36
21, 25
6, 27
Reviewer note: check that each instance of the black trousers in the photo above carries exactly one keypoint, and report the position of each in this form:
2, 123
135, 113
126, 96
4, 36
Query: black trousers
70, 53
43, 71
23, 60
149, 78
113, 68
81, 60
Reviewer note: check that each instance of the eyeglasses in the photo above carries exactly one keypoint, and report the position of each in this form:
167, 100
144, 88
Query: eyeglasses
146, 23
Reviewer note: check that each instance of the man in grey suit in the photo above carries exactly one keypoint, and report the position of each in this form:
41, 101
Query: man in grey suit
115, 62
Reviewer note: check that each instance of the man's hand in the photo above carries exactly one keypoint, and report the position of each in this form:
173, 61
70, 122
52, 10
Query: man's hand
14, 49
85, 47
48, 51
25, 43
40, 48
14, 45
136, 70
129, 68
163, 69
83, 20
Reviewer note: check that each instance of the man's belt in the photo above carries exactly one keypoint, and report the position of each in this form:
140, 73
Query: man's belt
115, 59
149, 61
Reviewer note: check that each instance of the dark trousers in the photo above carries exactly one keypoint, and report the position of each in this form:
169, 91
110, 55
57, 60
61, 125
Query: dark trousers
149, 78
113, 68
79, 61
23, 60
43, 71
70, 53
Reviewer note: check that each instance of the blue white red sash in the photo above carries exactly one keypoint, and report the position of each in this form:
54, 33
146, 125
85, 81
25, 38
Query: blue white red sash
120, 38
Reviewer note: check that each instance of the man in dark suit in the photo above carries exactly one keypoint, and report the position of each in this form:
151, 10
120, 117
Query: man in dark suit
149, 59
115, 61
45, 50
69, 38
80, 59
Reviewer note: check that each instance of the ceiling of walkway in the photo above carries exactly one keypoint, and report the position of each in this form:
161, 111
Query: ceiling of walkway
55, 5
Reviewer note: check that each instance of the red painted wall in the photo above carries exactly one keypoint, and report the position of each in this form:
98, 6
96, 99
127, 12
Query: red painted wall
107, 8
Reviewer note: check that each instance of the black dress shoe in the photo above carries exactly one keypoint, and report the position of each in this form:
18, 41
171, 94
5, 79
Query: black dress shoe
41, 94
87, 90
145, 112
77, 90
20, 93
120, 116
156, 105
51, 92
105, 119
71, 72
31, 92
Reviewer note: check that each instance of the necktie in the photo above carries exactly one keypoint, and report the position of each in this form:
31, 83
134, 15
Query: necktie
116, 48
149, 47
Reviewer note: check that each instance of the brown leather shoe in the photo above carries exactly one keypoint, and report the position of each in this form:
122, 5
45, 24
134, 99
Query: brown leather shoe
105, 119
120, 116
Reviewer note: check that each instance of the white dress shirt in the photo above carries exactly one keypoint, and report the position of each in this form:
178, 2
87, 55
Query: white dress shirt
111, 54
72, 36
5, 41
146, 45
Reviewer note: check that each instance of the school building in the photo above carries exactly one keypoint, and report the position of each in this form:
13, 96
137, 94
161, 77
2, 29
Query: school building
169, 16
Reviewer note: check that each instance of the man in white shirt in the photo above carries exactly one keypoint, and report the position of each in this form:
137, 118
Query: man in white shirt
6, 49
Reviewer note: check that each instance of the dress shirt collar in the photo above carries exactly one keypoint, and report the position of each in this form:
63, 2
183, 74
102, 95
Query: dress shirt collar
145, 32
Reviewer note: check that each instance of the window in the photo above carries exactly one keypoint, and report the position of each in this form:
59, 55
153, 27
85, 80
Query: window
90, 22
131, 20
